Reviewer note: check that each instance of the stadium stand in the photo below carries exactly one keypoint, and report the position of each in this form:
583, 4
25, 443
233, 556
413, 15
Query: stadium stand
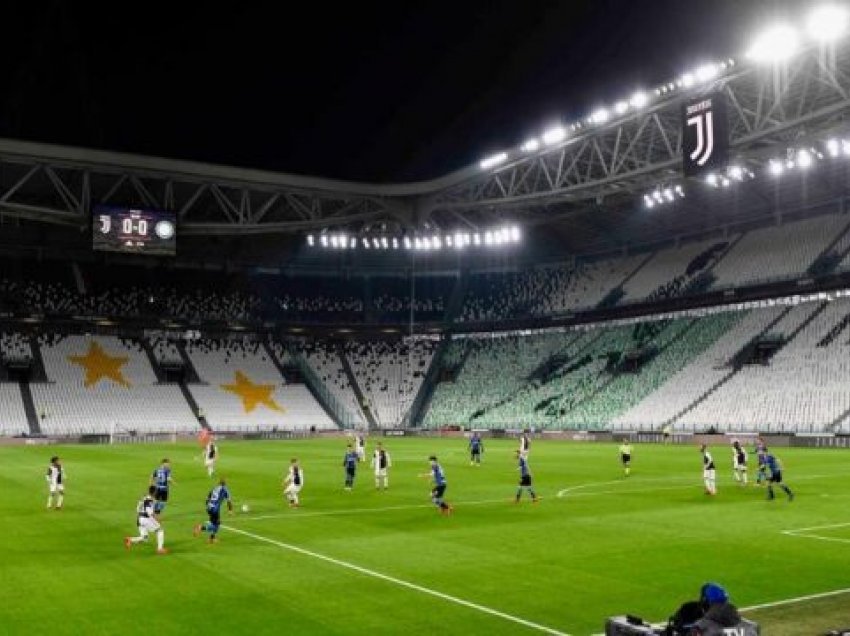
389, 374
102, 385
13, 420
324, 358
245, 391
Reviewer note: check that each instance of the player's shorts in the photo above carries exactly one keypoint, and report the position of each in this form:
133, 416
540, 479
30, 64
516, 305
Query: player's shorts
475, 452
381, 472
438, 491
626, 458
160, 494
525, 480
740, 465
148, 524
54, 488
350, 470
292, 489
708, 473
209, 461
215, 516
361, 454
775, 478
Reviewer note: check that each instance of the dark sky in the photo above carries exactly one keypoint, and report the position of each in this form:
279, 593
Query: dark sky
356, 90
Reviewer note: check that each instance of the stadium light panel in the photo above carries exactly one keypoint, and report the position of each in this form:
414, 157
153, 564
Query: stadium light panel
417, 243
639, 100
668, 194
774, 44
648, 202
736, 172
725, 182
376, 243
334, 241
687, 80
493, 160
833, 148
426, 243
804, 159
827, 23
531, 145
776, 168
621, 107
310, 240
449, 241
554, 135
845, 147
680, 191
515, 234
711, 179
324, 240
488, 238
476, 238
706, 72
395, 243
436, 242
599, 116
385, 243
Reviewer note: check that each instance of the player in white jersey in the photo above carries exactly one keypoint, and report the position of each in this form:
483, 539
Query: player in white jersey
739, 463
524, 445
381, 462
210, 456
709, 475
56, 483
361, 448
293, 482
147, 523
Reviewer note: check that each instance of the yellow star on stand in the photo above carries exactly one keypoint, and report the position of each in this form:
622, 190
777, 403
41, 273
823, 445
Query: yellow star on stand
99, 364
252, 394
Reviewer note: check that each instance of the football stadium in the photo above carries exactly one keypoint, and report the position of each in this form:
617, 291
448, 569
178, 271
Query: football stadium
589, 375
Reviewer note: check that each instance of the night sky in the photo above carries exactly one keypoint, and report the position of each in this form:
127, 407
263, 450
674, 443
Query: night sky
365, 91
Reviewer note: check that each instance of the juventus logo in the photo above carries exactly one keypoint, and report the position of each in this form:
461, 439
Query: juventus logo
705, 134
704, 123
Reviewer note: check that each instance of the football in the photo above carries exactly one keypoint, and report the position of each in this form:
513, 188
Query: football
246, 508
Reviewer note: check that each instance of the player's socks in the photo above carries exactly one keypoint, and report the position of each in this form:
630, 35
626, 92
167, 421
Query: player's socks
197, 529
128, 543
59, 501
160, 539
49, 501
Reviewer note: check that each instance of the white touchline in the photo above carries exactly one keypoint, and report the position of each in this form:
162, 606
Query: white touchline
831, 525
399, 582
798, 599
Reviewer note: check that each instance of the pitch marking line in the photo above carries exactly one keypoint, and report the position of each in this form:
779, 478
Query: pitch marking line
797, 599
806, 533
400, 582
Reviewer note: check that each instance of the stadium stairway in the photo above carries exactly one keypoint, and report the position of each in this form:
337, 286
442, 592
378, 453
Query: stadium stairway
37, 370
723, 380
157, 370
194, 406
29, 408
358, 392
426, 390
455, 302
829, 259
191, 374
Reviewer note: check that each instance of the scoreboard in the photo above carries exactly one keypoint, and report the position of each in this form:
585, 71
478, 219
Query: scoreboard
122, 229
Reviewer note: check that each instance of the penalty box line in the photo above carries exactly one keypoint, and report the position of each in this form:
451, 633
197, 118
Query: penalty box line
399, 582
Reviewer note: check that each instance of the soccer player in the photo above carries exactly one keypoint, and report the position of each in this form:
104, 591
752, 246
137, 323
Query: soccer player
381, 462
626, 457
709, 475
524, 478
361, 448
215, 499
774, 470
210, 456
55, 483
293, 482
476, 449
524, 443
161, 479
762, 474
739, 463
438, 489
147, 523
349, 462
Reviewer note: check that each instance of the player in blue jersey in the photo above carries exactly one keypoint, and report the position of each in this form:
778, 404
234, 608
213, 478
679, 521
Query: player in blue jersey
762, 474
215, 500
349, 463
774, 476
162, 480
524, 478
439, 484
476, 449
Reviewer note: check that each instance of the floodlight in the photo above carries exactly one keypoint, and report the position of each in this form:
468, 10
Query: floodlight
488, 238
334, 241
436, 242
725, 182
407, 243
621, 107
658, 196
827, 23
775, 44
600, 116
706, 72
310, 240
639, 100
680, 191
845, 147
449, 240
376, 243
324, 240
647, 201
554, 135
493, 160
736, 172
531, 145
711, 179
426, 243
395, 243
804, 159
353, 243
515, 234
687, 80
476, 238
417, 243
668, 194
384, 242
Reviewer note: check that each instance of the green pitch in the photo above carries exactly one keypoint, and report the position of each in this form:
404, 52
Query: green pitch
367, 562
